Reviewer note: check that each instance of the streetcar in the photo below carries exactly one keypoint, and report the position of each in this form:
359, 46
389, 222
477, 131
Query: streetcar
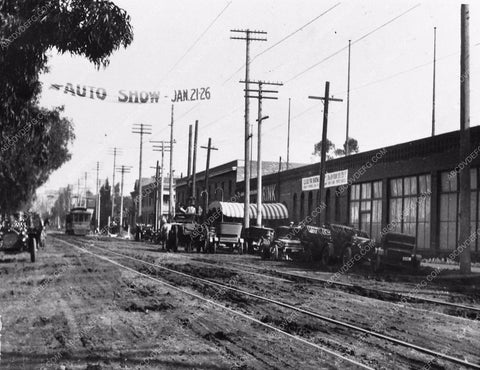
78, 221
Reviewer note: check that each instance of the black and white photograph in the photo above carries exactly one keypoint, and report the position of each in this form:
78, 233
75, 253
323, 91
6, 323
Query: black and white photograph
239, 184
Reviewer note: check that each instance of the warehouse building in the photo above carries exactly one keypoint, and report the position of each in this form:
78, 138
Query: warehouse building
411, 187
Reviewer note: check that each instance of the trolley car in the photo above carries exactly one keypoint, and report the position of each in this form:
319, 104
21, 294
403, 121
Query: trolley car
78, 221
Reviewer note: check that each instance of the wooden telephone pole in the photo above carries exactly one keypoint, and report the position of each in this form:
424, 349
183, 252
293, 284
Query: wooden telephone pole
260, 96
123, 170
207, 169
249, 36
464, 236
141, 129
114, 151
163, 146
326, 99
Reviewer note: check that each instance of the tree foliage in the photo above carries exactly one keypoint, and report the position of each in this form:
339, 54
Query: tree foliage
333, 152
34, 141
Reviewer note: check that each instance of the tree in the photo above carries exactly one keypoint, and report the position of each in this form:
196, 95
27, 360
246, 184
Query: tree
34, 141
330, 149
61, 206
333, 152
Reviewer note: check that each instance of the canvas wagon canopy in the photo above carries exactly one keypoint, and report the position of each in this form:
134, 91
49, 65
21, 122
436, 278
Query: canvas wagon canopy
270, 211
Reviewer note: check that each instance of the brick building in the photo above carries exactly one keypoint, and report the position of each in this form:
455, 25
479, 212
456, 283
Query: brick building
409, 185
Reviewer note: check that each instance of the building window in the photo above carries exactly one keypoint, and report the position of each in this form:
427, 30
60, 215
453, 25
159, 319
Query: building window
366, 207
449, 210
409, 207
230, 190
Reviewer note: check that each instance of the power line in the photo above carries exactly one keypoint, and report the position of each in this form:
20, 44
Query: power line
282, 40
197, 40
353, 42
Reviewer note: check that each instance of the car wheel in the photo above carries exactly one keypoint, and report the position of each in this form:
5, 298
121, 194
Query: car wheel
326, 258
33, 249
346, 255
375, 264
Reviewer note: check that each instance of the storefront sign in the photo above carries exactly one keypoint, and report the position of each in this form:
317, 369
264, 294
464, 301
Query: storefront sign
311, 183
268, 193
331, 179
336, 178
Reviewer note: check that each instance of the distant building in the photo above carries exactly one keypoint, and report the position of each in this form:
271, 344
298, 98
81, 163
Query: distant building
148, 200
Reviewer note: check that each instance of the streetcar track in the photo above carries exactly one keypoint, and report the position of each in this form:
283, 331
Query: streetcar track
316, 315
199, 297
353, 289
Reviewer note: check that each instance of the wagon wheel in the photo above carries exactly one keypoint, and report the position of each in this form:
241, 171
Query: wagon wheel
240, 248
175, 242
33, 249
276, 253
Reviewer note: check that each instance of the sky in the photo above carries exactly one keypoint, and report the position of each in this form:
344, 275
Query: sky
186, 44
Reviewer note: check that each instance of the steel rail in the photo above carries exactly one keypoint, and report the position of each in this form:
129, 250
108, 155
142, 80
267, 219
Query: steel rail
199, 297
309, 313
410, 297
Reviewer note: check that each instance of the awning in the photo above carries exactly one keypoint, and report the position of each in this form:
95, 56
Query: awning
270, 211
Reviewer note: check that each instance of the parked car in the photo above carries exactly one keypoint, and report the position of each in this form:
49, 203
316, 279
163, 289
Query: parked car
317, 241
285, 245
396, 249
229, 237
255, 237
346, 243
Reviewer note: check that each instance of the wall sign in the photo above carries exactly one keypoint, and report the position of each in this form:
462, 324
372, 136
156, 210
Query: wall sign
331, 179
336, 178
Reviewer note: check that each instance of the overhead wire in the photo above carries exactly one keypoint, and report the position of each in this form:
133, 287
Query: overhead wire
282, 40
352, 43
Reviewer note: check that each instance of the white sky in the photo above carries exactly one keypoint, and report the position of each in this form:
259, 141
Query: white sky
386, 106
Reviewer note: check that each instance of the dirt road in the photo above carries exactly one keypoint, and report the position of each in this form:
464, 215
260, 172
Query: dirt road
74, 310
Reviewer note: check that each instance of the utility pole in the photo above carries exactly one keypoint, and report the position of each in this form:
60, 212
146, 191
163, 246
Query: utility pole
155, 197
347, 149
123, 169
162, 146
98, 198
434, 68
114, 151
78, 193
326, 99
189, 168
463, 246
288, 135
85, 189
171, 202
194, 166
260, 96
207, 169
141, 129
248, 38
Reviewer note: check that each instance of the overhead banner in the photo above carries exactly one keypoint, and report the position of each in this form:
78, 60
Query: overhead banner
331, 179
133, 96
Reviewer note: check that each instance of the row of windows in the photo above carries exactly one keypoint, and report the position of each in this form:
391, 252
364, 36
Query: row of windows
217, 191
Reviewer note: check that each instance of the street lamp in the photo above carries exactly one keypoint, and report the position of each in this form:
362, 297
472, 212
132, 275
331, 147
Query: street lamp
259, 170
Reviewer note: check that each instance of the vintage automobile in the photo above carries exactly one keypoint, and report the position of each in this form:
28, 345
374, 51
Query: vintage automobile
228, 236
255, 237
317, 241
285, 245
346, 243
396, 249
